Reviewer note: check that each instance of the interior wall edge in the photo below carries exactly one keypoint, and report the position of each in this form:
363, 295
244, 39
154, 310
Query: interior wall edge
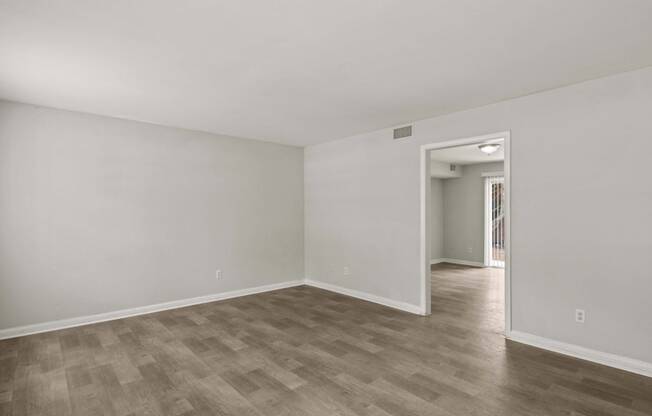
403, 306
611, 360
140, 310
457, 261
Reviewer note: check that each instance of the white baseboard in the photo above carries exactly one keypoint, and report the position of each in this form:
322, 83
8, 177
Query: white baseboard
457, 261
407, 307
604, 358
141, 310
611, 360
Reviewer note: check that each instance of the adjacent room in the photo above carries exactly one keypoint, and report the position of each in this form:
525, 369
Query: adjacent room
317, 208
468, 234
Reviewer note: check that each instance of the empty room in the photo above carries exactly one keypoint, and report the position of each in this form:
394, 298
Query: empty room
355, 208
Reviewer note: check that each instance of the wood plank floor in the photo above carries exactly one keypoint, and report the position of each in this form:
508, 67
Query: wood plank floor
305, 351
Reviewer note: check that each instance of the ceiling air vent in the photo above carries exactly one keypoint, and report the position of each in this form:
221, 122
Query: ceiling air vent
402, 132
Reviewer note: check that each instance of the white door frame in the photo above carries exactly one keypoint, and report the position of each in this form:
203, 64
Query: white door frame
425, 218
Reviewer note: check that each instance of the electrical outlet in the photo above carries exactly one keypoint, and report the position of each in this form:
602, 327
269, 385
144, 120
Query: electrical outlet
218, 274
580, 316
470, 249
346, 271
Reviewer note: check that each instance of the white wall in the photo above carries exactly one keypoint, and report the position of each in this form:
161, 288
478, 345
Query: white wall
463, 211
443, 170
100, 214
436, 218
581, 230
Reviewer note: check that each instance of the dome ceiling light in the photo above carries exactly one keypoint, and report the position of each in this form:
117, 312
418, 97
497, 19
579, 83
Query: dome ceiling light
489, 148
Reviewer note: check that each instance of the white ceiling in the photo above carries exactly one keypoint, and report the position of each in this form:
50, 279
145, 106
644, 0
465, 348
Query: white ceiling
302, 72
467, 155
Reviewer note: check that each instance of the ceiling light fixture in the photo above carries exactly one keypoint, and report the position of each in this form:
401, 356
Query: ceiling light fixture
489, 148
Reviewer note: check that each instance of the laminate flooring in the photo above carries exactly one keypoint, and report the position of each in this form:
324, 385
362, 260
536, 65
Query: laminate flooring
306, 351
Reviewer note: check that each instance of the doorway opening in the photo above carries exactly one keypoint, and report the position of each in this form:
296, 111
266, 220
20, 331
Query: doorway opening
465, 224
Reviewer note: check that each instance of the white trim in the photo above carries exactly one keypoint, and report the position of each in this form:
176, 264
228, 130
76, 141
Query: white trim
604, 358
424, 230
459, 261
487, 220
425, 218
485, 174
508, 236
406, 307
141, 310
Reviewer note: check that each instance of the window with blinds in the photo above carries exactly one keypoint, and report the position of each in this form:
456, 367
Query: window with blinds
495, 221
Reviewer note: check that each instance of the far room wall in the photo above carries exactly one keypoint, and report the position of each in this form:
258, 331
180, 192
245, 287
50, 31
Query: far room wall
436, 218
457, 214
100, 214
